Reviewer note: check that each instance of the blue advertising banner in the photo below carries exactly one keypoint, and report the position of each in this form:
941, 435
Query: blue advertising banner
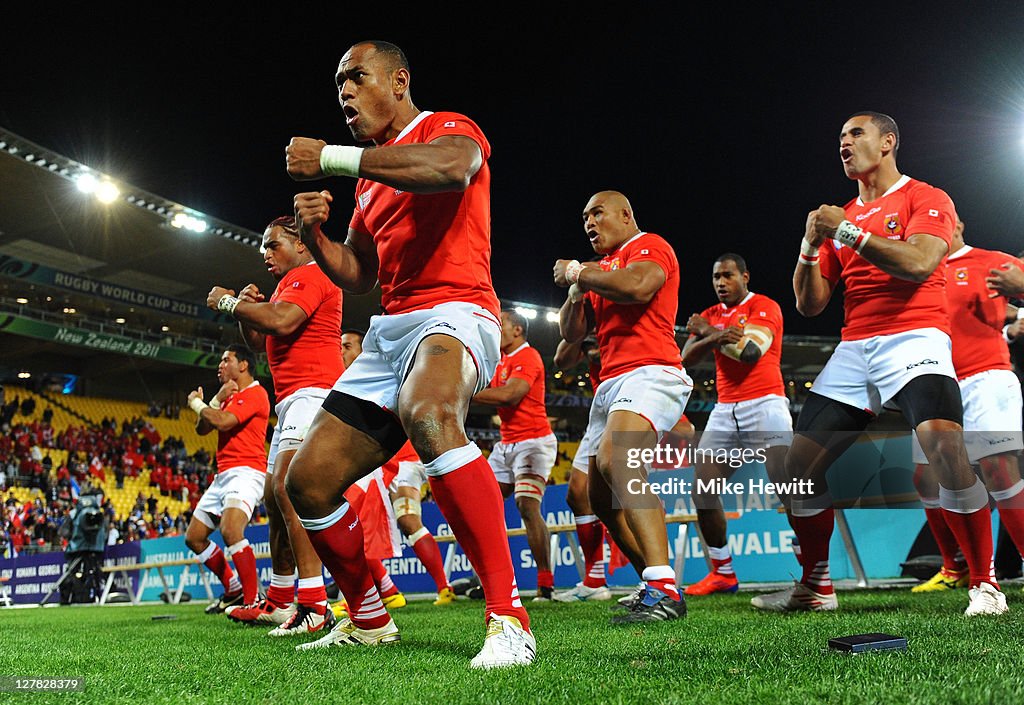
123, 554
30, 577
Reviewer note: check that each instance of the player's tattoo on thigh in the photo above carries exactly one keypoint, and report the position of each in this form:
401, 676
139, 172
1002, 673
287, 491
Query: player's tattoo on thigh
437, 349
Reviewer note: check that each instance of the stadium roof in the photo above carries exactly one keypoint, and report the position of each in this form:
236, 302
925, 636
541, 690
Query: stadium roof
45, 219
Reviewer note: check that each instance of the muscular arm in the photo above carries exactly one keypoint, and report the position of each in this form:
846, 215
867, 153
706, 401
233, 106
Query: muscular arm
446, 164
279, 318
568, 355
636, 283
913, 260
215, 419
352, 265
572, 321
508, 394
704, 338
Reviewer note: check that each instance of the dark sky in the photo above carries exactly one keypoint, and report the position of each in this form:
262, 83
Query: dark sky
721, 125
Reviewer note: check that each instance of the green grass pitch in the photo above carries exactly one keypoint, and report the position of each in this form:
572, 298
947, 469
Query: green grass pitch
723, 652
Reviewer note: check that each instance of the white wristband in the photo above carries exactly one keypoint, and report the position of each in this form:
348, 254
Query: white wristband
215, 403
851, 236
338, 160
808, 254
228, 304
575, 293
1020, 312
197, 405
572, 271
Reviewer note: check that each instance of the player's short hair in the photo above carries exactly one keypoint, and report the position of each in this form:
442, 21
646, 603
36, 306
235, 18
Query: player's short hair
883, 122
518, 319
243, 354
741, 264
396, 57
354, 331
285, 222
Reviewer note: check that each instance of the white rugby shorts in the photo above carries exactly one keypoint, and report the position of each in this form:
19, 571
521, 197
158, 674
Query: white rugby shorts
294, 417
535, 456
992, 416
390, 344
866, 374
764, 422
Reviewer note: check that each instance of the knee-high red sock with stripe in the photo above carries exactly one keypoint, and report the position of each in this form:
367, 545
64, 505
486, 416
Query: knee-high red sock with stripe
245, 563
814, 530
952, 559
590, 532
970, 520
467, 494
427, 550
338, 540
213, 558
380, 575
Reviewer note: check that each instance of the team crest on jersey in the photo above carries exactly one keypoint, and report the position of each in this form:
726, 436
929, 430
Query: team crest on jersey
613, 264
960, 274
504, 375
892, 224
742, 320
364, 198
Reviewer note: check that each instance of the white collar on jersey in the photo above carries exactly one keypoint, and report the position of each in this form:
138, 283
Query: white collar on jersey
524, 345
960, 253
415, 121
746, 298
900, 183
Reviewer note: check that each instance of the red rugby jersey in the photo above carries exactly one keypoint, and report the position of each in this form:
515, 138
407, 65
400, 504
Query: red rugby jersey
529, 418
976, 320
311, 356
875, 302
433, 248
245, 444
739, 381
634, 335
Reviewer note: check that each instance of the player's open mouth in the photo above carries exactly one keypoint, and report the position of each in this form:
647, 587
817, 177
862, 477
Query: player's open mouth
593, 235
846, 155
351, 114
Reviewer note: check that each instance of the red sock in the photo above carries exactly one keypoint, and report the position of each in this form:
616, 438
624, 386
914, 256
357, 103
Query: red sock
945, 539
380, 575
281, 596
427, 551
590, 532
313, 594
1013, 520
814, 533
245, 563
340, 547
469, 498
545, 579
1009, 500
218, 565
662, 578
974, 534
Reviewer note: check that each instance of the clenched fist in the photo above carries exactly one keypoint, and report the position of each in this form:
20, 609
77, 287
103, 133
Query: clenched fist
822, 223
312, 209
302, 158
215, 295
